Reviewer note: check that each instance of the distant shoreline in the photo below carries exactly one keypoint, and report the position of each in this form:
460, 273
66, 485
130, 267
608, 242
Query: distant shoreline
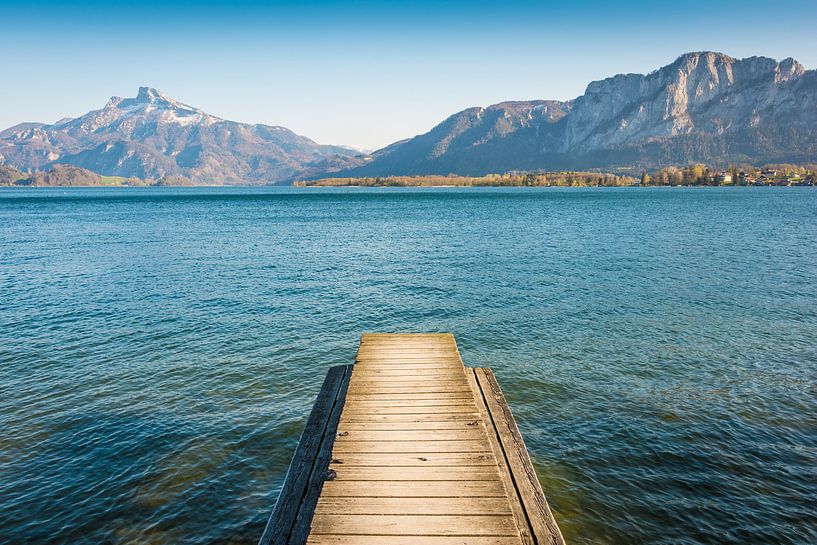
697, 175
689, 176
543, 187
352, 186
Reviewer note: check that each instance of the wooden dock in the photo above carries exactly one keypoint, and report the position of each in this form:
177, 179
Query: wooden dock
410, 447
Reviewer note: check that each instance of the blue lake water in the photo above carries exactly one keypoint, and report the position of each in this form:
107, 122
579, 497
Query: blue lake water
160, 349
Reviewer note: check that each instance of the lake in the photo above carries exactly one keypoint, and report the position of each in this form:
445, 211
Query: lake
160, 349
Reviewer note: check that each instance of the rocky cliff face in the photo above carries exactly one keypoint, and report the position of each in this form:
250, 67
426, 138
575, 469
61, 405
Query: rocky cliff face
704, 107
154, 136
708, 93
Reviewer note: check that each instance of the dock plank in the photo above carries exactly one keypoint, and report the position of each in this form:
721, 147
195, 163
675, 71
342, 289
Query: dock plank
462, 424
413, 459
414, 489
290, 501
408, 525
409, 396
415, 450
387, 436
333, 539
441, 417
410, 506
541, 520
348, 472
419, 447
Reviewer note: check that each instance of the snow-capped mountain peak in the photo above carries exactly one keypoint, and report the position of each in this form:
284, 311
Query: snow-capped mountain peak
153, 135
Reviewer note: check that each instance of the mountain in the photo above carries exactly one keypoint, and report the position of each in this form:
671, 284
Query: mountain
475, 141
10, 175
57, 175
155, 136
704, 107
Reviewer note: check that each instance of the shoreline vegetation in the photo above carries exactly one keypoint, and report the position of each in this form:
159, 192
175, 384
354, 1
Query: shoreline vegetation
62, 175
72, 176
693, 175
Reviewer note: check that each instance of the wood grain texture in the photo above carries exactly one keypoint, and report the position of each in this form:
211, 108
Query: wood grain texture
334, 539
475, 433
413, 459
409, 396
411, 525
413, 506
320, 470
412, 456
347, 472
291, 499
415, 489
544, 527
419, 447
410, 448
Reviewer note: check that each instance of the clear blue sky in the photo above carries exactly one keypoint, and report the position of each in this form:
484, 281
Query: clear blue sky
363, 73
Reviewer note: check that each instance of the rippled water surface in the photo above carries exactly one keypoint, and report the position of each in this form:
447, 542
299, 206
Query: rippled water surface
160, 349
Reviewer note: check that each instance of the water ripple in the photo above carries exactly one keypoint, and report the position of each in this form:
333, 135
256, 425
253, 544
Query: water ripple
160, 349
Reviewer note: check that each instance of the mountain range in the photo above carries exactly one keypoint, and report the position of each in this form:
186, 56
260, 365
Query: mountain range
704, 107
155, 136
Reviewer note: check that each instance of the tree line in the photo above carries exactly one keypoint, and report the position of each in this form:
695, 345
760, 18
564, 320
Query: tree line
511, 179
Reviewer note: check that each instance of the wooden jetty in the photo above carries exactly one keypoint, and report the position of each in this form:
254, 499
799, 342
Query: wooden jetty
410, 447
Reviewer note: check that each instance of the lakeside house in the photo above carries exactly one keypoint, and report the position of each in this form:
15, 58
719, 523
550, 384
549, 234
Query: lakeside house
724, 178
745, 178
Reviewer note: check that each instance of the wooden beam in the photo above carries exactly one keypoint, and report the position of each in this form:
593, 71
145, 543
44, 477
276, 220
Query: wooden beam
305, 462
544, 527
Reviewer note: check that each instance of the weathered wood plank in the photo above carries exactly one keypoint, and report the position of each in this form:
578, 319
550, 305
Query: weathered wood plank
413, 459
409, 358
401, 400
409, 396
373, 372
430, 388
365, 382
414, 489
413, 506
449, 409
407, 375
517, 508
545, 529
408, 353
346, 472
393, 348
402, 372
407, 426
397, 357
417, 451
419, 365
419, 447
411, 525
413, 403
300, 530
333, 539
345, 435
435, 356
442, 417
410, 367
369, 335
281, 522
408, 343
415, 363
